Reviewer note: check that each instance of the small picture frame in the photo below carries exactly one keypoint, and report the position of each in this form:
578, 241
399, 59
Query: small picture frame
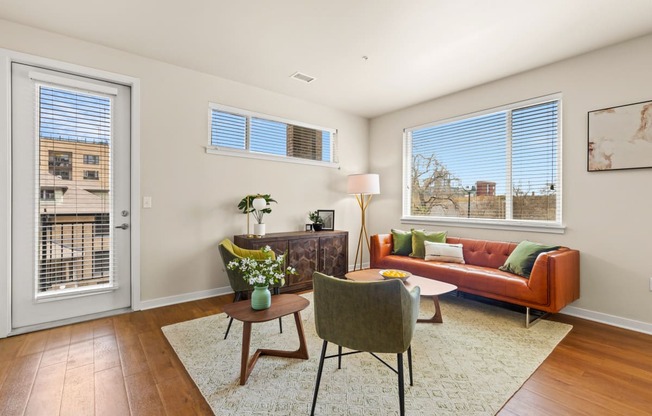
328, 215
308, 227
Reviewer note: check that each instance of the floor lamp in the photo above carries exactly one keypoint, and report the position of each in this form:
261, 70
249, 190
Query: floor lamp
363, 186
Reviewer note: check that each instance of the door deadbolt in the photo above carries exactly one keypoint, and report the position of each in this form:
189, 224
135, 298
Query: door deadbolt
124, 213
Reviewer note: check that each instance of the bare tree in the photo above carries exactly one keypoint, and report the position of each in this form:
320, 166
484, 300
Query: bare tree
432, 185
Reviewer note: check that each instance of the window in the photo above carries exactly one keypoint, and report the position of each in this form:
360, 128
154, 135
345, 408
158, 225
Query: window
47, 194
91, 174
101, 226
244, 133
499, 166
101, 263
91, 160
60, 164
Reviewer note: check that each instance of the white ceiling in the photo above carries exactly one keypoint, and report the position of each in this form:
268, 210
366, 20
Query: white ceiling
417, 49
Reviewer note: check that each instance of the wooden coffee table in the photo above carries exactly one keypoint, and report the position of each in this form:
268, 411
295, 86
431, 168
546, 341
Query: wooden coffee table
282, 305
429, 288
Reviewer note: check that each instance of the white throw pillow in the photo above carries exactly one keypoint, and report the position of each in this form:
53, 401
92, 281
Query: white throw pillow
450, 253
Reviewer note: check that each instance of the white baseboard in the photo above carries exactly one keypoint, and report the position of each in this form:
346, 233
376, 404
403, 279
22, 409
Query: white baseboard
186, 297
612, 320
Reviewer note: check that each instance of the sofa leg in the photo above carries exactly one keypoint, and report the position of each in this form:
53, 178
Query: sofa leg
537, 318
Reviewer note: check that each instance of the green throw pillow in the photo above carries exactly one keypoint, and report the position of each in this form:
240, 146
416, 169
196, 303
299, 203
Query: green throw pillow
402, 241
522, 259
418, 238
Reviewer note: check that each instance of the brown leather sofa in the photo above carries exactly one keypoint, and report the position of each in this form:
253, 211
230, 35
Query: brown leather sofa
553, 283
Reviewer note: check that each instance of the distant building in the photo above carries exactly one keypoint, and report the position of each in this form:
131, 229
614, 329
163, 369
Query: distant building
74, 209
485, 188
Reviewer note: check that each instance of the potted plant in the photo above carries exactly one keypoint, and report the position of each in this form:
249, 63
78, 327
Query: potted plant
258, 204
260, 274
317, 221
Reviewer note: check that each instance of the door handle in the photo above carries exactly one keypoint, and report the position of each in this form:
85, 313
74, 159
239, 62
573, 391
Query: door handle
123, 226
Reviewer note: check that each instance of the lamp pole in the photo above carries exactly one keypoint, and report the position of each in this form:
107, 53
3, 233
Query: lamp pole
363, 201
469, 191
363, 186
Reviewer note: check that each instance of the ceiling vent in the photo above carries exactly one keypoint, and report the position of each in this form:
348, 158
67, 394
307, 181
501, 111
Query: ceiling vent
302, 77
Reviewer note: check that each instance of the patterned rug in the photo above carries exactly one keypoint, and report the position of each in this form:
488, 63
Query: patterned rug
469, 365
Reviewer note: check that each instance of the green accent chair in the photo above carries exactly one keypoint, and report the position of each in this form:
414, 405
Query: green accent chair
230, 251
374, 317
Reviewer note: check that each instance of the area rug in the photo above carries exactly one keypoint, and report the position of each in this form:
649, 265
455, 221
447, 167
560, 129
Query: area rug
469, 365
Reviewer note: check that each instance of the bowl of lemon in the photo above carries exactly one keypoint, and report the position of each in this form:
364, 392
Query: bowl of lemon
395, 274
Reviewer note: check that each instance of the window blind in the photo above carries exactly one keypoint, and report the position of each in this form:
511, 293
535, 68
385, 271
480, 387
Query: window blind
500, 165
74, 203
250, 132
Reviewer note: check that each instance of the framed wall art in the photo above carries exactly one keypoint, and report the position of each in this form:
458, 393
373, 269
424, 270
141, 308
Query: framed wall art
328, 215
620, 137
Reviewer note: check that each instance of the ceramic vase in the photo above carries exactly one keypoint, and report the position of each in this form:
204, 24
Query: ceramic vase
261, 298
259, 229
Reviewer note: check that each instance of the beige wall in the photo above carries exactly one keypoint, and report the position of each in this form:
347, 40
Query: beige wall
607, 214
195, 194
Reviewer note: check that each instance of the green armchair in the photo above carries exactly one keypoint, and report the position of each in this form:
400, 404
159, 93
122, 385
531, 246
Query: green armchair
374, 317
228, 252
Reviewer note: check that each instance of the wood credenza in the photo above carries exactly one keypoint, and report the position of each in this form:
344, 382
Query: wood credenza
323, 251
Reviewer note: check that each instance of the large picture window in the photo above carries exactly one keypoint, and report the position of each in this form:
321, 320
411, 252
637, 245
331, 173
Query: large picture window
243, 133
500, 166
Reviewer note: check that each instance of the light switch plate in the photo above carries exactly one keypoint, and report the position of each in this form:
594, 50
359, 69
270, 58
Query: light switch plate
147, 202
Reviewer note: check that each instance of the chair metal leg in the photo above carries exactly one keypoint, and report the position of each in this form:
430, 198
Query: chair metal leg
236, 298
321, 367
339, 357
228, 328
401, 385
410, 363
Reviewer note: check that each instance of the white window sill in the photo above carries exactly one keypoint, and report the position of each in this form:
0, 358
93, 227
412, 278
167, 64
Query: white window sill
514, 225
252, 155
56, 295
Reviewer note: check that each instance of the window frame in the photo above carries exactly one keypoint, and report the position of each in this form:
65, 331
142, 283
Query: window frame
246, 153
555, 227
88, 158
87, 175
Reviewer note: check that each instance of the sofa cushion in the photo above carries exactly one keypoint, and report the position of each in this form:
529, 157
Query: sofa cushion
482, 252
420, 236
522, 259
448, 253
402, 242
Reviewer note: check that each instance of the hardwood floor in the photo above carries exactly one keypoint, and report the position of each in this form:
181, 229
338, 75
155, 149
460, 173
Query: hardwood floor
124, 365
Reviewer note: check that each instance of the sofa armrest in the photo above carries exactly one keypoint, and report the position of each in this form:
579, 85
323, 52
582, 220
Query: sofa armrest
381, 246
559, 271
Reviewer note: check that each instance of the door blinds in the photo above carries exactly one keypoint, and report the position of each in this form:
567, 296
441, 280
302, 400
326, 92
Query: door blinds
74, 190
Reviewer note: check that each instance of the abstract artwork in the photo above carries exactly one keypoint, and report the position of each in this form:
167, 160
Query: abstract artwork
620, 137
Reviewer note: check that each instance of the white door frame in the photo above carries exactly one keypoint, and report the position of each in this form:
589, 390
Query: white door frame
6, 58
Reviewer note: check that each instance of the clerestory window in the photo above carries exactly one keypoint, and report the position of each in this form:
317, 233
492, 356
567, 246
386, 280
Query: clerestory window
239, 132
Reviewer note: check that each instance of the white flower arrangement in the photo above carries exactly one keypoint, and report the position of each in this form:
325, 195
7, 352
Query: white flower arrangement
262, 272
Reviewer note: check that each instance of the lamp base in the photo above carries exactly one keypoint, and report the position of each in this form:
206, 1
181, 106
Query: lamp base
259, 230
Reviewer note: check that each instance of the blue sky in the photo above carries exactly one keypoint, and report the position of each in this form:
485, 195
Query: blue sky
74, 116
475, 149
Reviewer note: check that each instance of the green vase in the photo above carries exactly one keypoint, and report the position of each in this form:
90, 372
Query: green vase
261, 298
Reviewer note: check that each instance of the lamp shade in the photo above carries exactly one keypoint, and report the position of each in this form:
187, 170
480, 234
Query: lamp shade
364, 183
259, 203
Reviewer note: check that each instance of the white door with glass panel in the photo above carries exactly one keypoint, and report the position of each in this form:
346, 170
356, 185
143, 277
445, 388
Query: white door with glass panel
70, 197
